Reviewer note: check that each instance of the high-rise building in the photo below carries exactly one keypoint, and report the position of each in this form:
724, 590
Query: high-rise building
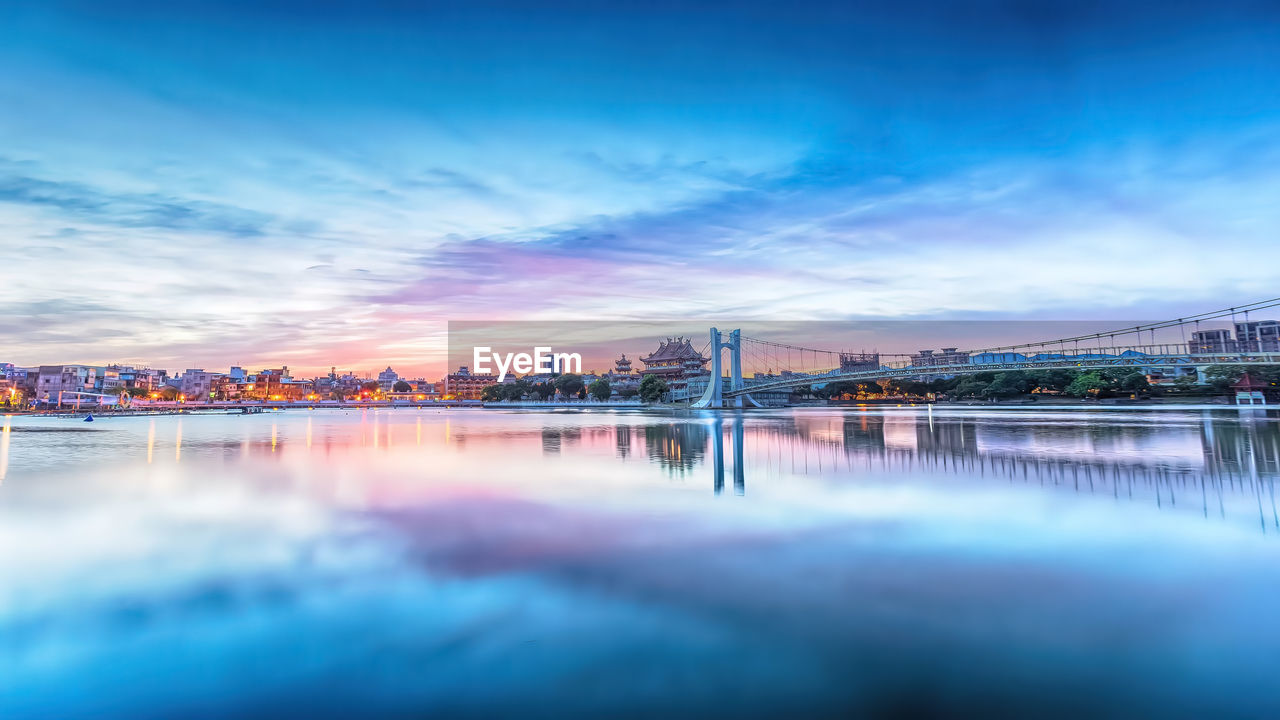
1258, 336
1208, 342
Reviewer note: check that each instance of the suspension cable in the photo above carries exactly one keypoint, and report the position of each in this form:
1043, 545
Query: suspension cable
1212, 315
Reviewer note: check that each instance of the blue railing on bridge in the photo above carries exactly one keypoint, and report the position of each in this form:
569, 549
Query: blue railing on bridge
1144, 356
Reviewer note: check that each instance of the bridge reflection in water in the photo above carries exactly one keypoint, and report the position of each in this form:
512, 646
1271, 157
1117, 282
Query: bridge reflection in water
717, 451
1219, 463
1214, 461
1081, 561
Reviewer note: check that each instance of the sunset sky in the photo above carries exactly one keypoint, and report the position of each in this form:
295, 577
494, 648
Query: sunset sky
321, 183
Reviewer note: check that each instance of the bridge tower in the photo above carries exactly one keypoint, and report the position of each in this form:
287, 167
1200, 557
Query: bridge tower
713, 397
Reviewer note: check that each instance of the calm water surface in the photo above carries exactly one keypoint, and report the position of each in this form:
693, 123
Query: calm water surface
482, 563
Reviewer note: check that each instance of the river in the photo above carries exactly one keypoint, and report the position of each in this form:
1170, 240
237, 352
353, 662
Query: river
854, 561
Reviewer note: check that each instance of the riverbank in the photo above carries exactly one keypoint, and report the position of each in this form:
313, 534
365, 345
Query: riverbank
232, 408
574, 404
1056, 402
1040, 401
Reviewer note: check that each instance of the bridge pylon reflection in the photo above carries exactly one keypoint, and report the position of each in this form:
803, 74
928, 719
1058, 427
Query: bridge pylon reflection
717, 455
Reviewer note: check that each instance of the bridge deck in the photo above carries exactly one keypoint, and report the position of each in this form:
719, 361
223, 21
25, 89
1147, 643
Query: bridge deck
1081, 361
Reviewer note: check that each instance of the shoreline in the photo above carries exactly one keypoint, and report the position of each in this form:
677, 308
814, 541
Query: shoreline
1034, 404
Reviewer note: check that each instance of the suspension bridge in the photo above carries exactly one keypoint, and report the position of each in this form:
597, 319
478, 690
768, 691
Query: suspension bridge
758, 365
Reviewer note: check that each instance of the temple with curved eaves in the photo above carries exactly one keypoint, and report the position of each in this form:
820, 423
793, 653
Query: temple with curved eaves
675, 361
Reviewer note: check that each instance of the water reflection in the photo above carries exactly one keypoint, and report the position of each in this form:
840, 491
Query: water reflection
4, 447
1209, 460
739, 472
677, 446
485, 563
1206, 458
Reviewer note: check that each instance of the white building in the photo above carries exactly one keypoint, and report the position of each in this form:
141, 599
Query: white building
387, 379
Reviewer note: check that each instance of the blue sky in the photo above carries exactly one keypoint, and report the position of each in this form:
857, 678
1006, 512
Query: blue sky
200, 184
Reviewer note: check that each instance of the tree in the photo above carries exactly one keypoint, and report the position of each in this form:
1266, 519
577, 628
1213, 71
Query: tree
628, 391
908, 388
1053, 379
600, 390
1009, 384
971, 387
652, 388
1135, 382
491, 393
169, 392
837, 389
569, 384
513, 391
136, 392
1090, 383
1222, 377
868, 388
402, 386
1184, 383
941, 386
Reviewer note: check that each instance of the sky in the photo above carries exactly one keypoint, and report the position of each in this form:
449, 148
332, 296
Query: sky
316, 184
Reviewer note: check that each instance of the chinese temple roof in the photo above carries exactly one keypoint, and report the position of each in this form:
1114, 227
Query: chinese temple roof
674, 349
1248, 382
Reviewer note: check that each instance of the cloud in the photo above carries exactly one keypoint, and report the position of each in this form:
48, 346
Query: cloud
332, 197
437, 178
1108, 229
77, 201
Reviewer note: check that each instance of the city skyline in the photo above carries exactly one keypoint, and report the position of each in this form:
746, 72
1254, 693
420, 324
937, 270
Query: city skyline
601, 345
207, 186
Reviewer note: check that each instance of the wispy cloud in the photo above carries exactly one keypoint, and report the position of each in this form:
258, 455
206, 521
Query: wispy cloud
80, 202
242, 189
1094, 232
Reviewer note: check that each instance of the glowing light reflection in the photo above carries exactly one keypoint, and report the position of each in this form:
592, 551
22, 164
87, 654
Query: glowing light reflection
4, 447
